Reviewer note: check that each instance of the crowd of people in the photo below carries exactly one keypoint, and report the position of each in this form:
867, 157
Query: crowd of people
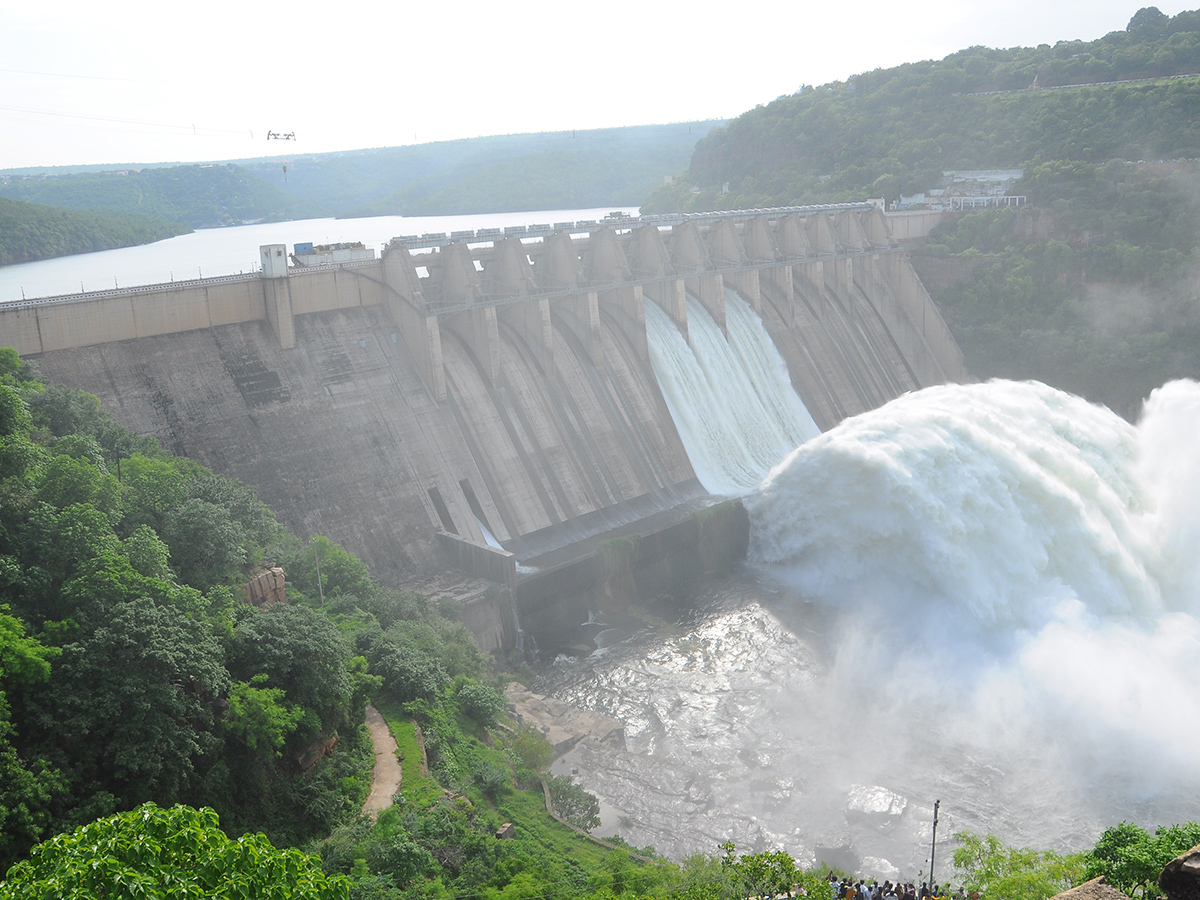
859, 890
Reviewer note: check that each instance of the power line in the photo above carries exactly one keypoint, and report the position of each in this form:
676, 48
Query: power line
60, 115
82, 77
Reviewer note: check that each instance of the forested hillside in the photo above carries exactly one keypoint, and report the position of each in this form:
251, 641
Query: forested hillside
893, 131
198, 196
29, 232
563, 170
133, 670
1090, 286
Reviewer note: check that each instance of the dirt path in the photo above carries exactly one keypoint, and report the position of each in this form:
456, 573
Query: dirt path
385, 779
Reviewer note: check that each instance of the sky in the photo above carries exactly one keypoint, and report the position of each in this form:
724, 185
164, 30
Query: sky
127, 81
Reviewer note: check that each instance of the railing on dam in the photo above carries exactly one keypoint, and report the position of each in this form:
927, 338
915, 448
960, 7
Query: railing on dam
577, 229
435, 240
129, 291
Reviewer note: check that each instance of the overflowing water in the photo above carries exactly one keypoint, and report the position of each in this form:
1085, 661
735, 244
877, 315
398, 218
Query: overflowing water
986, 594
731, 399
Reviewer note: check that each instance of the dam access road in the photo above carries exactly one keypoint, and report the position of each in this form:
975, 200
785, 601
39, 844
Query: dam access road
485, 400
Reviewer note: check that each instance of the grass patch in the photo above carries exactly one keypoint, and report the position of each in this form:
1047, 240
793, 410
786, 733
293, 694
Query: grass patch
418, 790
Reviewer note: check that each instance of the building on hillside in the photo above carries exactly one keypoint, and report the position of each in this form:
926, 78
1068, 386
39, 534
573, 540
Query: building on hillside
969, 189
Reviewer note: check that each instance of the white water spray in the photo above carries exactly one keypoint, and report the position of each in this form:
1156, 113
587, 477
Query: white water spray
984, 594
731, 399
1028, 559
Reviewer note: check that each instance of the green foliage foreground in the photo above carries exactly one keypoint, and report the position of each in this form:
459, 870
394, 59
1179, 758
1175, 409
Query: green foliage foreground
179, 853
1131, 859
992, 870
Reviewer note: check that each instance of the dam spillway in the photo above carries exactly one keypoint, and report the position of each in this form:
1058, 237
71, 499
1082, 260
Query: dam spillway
489, 380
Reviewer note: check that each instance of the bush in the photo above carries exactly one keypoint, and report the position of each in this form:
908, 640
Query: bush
481, 703
491, 778
573, 803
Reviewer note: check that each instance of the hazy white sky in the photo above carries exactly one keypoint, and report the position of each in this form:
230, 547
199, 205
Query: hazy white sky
133, 81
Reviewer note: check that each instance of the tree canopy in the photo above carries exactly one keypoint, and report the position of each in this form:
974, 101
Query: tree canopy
159, 853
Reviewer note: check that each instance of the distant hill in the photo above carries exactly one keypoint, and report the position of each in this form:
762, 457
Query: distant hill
29, 232
200, 196
893, 131
554, 170
548, 170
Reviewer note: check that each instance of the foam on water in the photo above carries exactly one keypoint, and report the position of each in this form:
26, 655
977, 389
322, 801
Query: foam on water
984, 594
1027, 558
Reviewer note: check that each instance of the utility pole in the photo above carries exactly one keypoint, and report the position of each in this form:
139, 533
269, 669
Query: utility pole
933, 846
321, 587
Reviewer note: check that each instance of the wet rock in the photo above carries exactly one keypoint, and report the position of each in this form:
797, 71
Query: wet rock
562, 724
838, 855
878, 867
874, 805
1180, 880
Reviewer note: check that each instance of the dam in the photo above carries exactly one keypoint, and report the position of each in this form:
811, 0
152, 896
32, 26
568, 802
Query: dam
485, 400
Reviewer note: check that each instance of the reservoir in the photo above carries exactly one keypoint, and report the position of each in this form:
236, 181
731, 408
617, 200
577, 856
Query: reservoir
210, 252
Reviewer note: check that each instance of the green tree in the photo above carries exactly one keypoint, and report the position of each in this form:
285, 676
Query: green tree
178, 852
999, 872
65, 481
14, 413
301, 653
480, 702
766, 874
135, 698
573, 803
148, 555
207, 546
259, 717
27, 789
1131, 859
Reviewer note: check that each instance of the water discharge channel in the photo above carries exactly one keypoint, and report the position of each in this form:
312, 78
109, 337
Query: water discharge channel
985, 594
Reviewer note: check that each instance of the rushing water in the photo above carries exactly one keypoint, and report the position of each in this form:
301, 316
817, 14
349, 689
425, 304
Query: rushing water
731, 399
985, 594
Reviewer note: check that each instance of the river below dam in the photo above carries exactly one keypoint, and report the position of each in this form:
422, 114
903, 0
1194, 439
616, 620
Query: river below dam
979, 594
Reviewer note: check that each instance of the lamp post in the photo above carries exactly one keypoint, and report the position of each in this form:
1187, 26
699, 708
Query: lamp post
933, 845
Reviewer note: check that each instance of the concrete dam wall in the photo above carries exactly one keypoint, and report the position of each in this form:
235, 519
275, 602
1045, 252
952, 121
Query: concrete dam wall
488, 388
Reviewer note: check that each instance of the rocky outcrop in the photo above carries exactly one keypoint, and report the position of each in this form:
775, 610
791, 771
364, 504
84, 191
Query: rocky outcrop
266, 587
1180, 880
1096, 889
562, 725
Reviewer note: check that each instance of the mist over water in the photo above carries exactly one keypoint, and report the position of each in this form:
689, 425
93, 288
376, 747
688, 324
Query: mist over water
1027, 558
987, 594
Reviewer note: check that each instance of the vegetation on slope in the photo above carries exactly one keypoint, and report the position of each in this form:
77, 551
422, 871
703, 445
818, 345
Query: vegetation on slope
1090, 288
199, 196
893, 131
29, 232
138, 673
566, 170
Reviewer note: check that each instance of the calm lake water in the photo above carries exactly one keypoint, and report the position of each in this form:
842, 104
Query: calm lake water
229, 251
